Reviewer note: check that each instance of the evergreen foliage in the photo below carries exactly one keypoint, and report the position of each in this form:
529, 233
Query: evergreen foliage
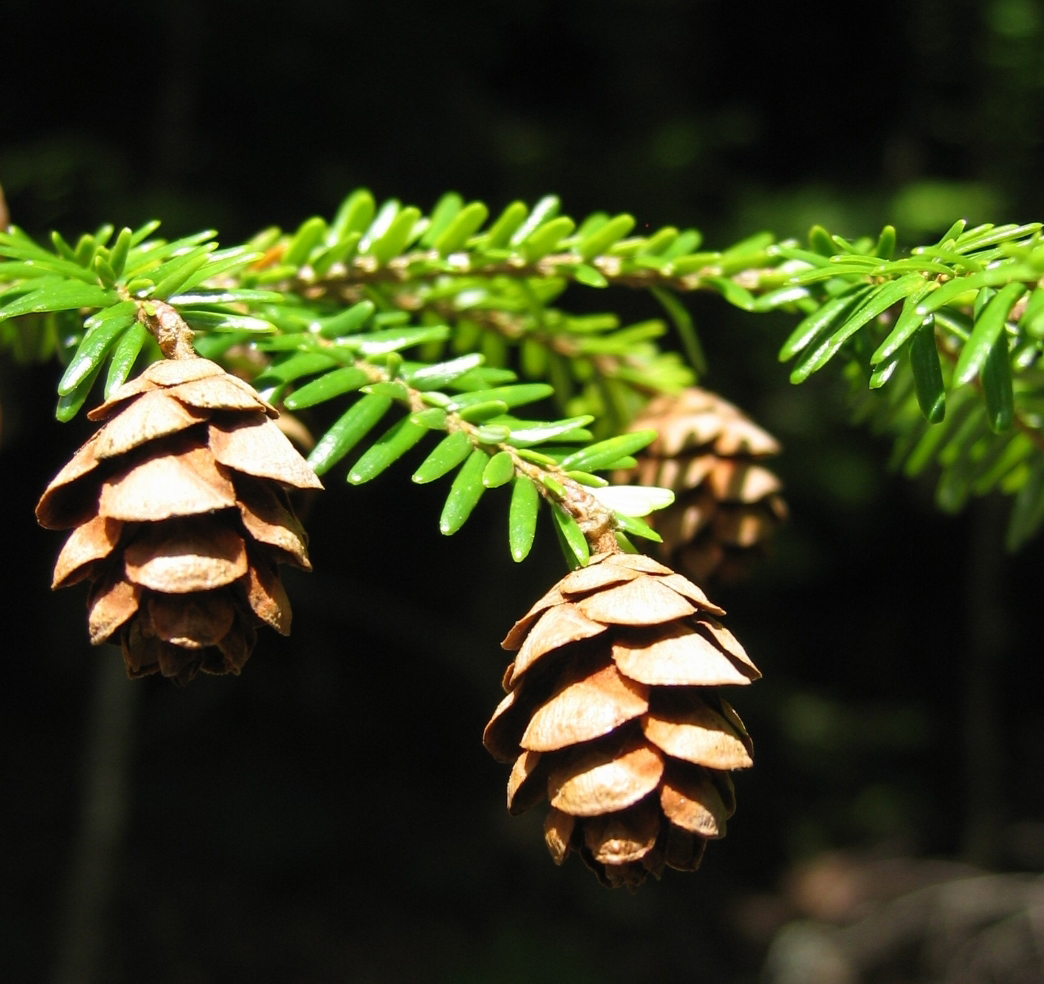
442, 329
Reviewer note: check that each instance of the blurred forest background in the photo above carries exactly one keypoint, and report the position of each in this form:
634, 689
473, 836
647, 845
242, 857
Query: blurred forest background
331, 815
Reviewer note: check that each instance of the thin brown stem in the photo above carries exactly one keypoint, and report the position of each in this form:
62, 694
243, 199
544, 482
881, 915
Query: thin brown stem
169, 329
422, 266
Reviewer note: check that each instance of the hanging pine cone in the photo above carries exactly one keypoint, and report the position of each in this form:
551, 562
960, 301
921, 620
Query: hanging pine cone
180, 517
726, 503
611, 714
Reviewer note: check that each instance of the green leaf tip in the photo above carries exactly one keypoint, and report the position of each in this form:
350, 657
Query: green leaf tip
633, 500
500, 469
574, 544
348, 430
447, 454
608, 452
927, 373
95, 346
997, 388
386, 450
988, 329
522, 517
464, 494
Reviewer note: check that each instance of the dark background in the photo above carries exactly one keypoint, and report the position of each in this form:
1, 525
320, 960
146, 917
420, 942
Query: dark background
331, 814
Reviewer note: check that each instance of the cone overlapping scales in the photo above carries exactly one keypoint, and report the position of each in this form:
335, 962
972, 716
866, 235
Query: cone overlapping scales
180, 517
611, 714
726, 502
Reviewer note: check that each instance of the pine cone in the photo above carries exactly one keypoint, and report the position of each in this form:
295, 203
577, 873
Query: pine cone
726, 504
180, 519
611, 714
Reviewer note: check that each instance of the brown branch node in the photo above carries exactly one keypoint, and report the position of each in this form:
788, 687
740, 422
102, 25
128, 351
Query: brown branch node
169, 329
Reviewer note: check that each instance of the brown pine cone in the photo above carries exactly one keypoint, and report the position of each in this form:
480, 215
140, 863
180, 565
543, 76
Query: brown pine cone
611, 714
726, 503
180, 517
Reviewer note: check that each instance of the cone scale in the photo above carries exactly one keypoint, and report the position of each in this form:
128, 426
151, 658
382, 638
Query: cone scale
727, 503
612, 715
180, 517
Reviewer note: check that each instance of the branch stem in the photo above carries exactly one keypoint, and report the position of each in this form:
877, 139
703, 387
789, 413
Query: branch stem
596, 521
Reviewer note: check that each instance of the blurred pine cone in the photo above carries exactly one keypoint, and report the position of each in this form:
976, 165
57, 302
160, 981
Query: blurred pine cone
180, 517
611, 713
726, 503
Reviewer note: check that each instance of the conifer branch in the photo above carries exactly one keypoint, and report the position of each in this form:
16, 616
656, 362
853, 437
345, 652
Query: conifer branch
344, 281
553, 483
335, 297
